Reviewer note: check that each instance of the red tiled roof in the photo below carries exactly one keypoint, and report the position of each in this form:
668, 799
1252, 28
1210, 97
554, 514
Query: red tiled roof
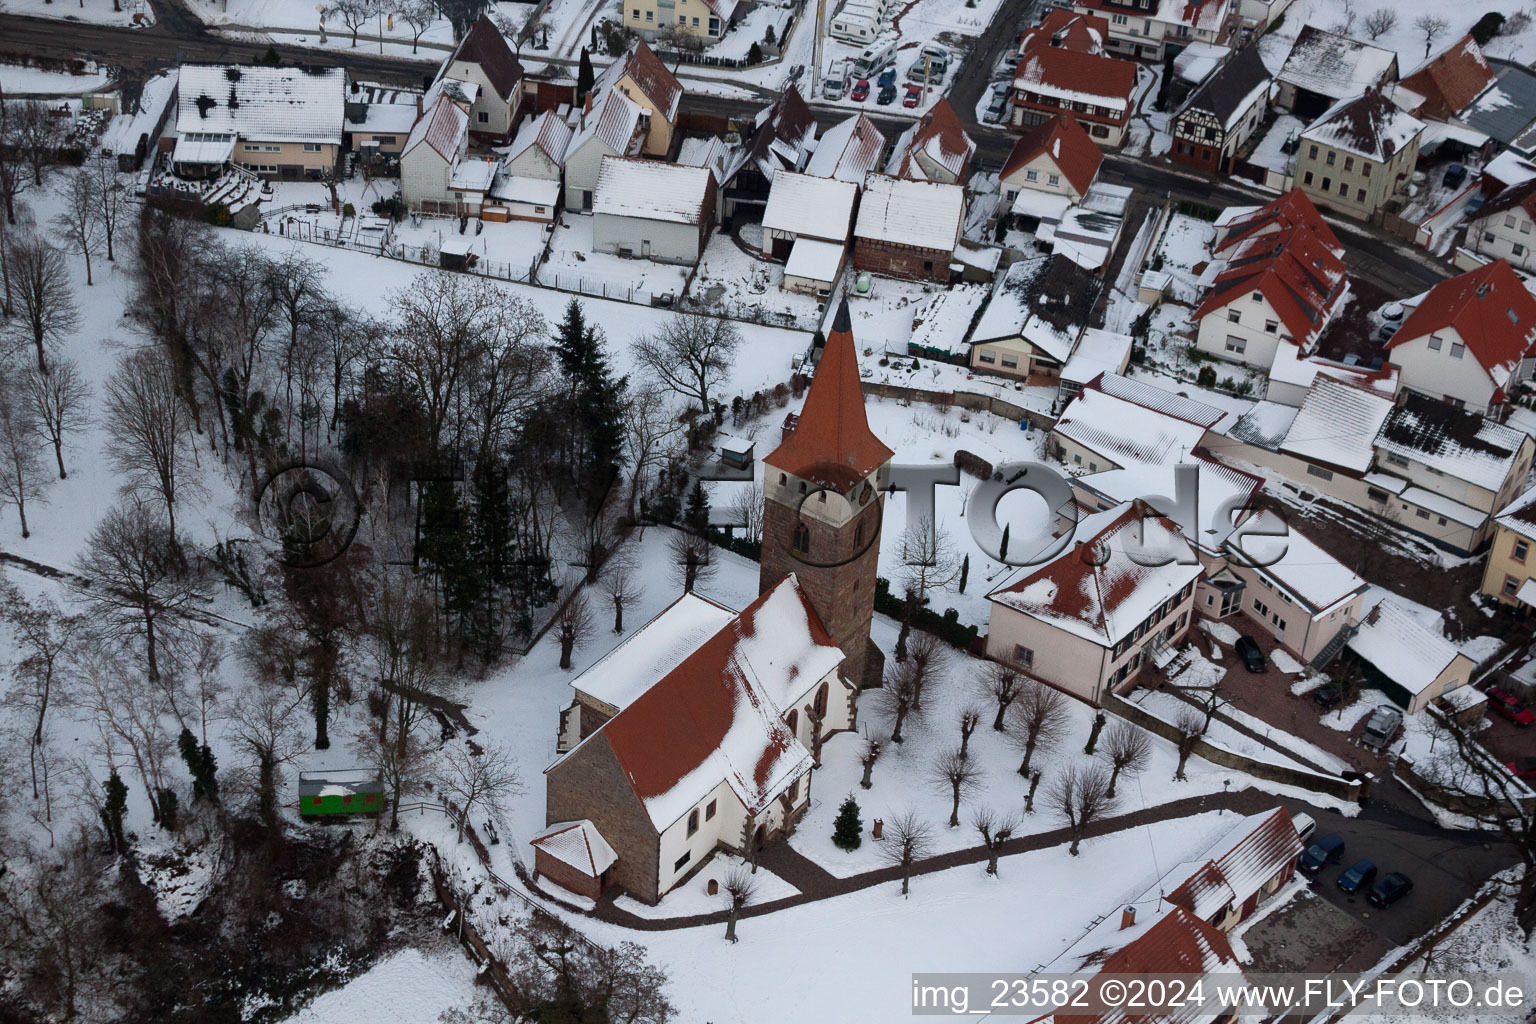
1082, 33
1451, 79
1086, 77
1242, 869
1289, 210
941, 135
441, 128
484, 45
1522, 195
1299, 275
660, 86
1070, 148
832, 445
1491, 310
1179, 943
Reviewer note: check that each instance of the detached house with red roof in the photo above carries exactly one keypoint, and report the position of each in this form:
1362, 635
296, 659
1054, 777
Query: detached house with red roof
1087, 620
1062, 72
1056, 158
642, 77
437, 176
1505, 227
1143, 29
486, 64
1450, 80
1509, 577
699, 732
937, 148
1279, 280
1469, 341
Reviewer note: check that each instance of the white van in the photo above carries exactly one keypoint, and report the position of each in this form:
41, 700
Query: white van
1305, 826
875, 58
832, 85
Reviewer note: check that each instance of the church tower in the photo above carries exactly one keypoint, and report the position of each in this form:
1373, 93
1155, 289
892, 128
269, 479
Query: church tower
822, 505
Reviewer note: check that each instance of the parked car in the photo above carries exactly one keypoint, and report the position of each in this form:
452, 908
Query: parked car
860, 91
1522, 767
1476, 202
1248, 649
1323, 852
998, 105
1381, 728
1506, 704
1385, 332
887, 77
1392, 312
1454, 175
1391, 888
832, 87
928, 69
887, 95
1305, 826
1327, 696
1358, 876
1010, 62
913, 95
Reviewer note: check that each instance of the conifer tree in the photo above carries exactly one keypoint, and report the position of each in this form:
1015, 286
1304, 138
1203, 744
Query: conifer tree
584, 77
965, 572
697, 516
596, 402
115, 804
848, 828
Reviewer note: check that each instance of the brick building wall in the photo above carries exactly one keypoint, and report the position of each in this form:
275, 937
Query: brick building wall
566, 876
837, 574
895, 260
589, 783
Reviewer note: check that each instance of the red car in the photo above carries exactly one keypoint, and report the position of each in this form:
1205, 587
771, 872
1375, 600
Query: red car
1505, 704
1522, 767
914, 95
861, 90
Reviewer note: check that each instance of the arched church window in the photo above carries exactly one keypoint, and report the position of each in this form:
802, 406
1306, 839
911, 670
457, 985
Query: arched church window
802, 540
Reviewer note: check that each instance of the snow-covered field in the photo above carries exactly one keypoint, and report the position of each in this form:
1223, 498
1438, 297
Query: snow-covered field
413, 986
1405, 37
18, 79
130, 13
573, 266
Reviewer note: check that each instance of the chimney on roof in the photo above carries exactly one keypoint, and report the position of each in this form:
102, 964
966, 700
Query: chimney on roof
1127, 917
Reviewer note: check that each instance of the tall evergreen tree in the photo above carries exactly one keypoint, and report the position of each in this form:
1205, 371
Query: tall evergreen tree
848, 828
596, 403
113, 806
442, 546
584, 77
697, 516
491, 556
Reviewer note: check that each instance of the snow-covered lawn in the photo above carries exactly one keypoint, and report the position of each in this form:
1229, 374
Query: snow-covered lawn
19, 79
1344, 718
692, 897
413, 986
1182, 253
1404, 37
132, 13
573, 266
740, 284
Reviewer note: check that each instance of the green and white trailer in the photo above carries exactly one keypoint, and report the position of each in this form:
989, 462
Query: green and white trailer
340, 791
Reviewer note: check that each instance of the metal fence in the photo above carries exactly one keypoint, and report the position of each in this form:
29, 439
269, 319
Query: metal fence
568, 282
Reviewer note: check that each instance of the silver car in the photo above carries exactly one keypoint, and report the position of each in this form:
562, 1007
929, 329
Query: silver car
1381, 728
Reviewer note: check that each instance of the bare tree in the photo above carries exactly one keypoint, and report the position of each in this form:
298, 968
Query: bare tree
53, 910
748, 512
137, 581
907, 840
1431, 25
1128, 751
690, 354
928, 562
929, 657
995, 830
693, 559
870, 749
898, 697
1039, 719
42, 634
149, 431
739, 888
60, 401
354, 14
402, 761
80, 218
574, 624
1080, 796
22, 476
264, 728
419, 15
36, 134
653, 433
46, 313
1000, 683
559, 974
112, 198
969, 719
956, 774
1191, 725
12, 180
476, 778
622, 584
1379, 22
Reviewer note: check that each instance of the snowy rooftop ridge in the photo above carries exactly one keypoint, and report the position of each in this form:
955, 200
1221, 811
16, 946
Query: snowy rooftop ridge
1370, 125
652, 190
804, 205
579, 844
285, 104
1335, 66
924, 214
1396, 642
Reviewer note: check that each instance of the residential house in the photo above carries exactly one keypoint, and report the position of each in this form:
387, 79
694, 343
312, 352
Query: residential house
1223, 113
1405, 659
936, 148
1067, 30
1088, 231
1088, 619
1469, 341
705, 20
1179, 927
608, 125
1032, 324
529, 180
1324, 68
1270, 289
699, 732
1280, 580
1236, 223
1053, 162
1502, 229
1450, 80
276, 122
1358, 155
908, 228
379, 120
847, 151
653, 210
800, 206
1508, 575
1506, 110
436, 174
1096, 90
487, 64
1148, 29
780, 138
641, 76
1098, 353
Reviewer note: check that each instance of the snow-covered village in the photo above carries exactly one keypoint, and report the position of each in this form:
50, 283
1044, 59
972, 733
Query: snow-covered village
745, 511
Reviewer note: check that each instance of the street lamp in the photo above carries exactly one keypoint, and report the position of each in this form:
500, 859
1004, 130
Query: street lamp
1226, 791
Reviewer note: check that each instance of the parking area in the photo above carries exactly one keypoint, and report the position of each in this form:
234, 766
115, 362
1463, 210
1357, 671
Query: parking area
1311, 934
1508, 740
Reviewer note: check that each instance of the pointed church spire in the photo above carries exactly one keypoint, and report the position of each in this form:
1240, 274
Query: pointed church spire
832, 445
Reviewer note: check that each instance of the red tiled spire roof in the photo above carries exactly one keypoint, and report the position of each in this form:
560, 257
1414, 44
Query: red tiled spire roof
832, 444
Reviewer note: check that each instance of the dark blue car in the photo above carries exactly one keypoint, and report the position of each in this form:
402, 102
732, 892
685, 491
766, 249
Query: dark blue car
1360, 875
1325, 851
887, 77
